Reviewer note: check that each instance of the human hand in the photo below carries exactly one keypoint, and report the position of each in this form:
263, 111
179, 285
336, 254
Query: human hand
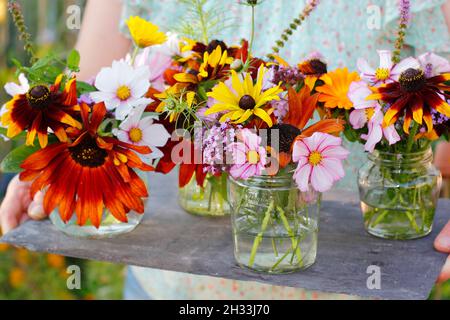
442, 244
17, 206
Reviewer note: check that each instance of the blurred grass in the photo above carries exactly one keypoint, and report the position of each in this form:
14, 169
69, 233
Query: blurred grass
27, 275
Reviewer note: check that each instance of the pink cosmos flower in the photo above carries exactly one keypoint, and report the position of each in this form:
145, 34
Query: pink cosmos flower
433, 65
369, 112
319, 160
141, 131
387, 72
373, 117
249, 157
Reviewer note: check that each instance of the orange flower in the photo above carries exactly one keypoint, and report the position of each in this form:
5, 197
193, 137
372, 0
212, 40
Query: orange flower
55, 261
3, 247
335, 90
88, 175
16, 277
42, 108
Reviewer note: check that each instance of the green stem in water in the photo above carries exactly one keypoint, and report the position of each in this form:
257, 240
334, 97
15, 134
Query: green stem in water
412, 135
294, 241
260, 235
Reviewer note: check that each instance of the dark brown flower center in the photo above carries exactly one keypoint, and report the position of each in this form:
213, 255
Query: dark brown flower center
286, 134
247, 102
318, 66
38, 96
214, 44
412, 80
88, 154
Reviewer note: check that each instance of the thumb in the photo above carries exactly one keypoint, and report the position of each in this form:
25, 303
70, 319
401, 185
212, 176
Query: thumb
442, 242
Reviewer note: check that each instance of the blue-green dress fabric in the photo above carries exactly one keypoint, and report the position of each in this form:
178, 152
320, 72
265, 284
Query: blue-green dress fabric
343, 31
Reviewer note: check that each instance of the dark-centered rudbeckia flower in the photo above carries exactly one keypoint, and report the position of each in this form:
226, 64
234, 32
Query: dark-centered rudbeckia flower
40, 109
414, 96
88, 175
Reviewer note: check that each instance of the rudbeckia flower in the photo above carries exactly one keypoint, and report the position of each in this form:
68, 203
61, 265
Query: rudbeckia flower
144, 33
140, 131
244, 100
249, 157
88, 175
122, 87
334, 92
215, 65
313, 69
387, 71
414, 96
42, 108
14, 89
319, 159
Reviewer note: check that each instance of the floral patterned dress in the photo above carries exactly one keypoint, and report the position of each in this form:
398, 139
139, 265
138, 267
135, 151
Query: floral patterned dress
343, 31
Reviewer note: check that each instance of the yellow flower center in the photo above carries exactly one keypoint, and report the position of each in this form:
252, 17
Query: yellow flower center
123, 93
135, 135
369, 113
253, 157
315, 158
382, 74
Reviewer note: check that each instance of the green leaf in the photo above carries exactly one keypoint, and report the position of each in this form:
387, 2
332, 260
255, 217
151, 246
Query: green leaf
11, 163
3, 131
83, 88
73, 61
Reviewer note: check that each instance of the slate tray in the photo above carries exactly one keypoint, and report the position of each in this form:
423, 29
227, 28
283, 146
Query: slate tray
171, 239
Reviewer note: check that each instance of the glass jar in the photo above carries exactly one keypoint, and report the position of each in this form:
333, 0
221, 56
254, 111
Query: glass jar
399, 194
110, 226
275, 226
209, 200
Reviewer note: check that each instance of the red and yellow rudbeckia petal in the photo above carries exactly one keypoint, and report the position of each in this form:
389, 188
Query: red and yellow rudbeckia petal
435, 102
407, 122
394, 110
428, 120
417, 110
62, 117
69, 95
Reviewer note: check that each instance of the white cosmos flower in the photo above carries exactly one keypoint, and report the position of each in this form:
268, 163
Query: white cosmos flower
13, 89
143, 132
122, 87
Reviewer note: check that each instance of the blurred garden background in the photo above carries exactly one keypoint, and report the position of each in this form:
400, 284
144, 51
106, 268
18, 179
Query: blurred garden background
26, 275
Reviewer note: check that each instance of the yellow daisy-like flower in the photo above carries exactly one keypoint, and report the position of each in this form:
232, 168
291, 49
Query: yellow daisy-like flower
248, 99
334, 93
212, 67
144, 33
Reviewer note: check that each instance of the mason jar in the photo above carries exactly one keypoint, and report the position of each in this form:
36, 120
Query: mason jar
275, 226
209, 200
399, 193
110, 227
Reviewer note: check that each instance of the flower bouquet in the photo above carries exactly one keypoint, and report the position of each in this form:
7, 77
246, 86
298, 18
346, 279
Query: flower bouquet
396, 110
86, 146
